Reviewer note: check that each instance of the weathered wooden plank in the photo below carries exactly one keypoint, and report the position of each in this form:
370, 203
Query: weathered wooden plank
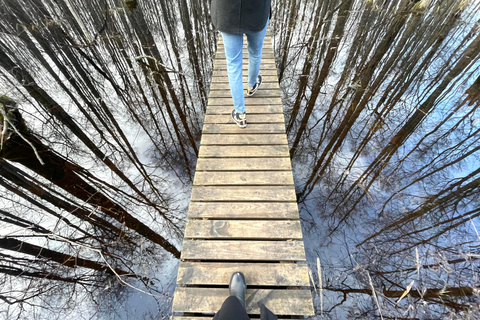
261, 93
243, 210
238, 164
265, 66
225, 86
241, 250
192, 318
243, 178
265, 73
251, 101
256, 274
245, 202
209, 300
267, 44
267, 49
265, 55
223, 61
244, 151
197, 318
254, 118
246, 193
200, 318
266, 41
235, 139
243, 229
227, 109
266, 78
251, 128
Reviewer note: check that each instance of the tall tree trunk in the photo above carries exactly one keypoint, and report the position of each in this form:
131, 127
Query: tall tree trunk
13, 244
62, 173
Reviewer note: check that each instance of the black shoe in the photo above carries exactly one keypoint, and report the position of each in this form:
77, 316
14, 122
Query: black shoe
238, 287
251, 90
239, 118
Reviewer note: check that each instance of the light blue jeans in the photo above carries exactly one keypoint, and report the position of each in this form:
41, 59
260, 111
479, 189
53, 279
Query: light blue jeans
233, 52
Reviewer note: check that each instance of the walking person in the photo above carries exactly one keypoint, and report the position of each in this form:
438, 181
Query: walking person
234, 18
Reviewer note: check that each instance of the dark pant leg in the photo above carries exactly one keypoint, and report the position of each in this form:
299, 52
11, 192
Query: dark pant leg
231, 309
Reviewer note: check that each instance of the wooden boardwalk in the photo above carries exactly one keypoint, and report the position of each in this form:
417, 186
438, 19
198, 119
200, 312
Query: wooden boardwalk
243, 214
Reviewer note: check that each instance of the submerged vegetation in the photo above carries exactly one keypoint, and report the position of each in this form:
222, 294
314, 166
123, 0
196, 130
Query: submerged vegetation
101, 114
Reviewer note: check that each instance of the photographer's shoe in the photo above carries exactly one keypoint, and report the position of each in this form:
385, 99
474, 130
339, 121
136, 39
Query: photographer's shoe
238, 287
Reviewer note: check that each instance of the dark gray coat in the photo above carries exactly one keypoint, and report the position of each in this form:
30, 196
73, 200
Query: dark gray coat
240, 16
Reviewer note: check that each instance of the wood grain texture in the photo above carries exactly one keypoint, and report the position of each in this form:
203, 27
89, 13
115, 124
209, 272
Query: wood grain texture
252, 101
209, 300
266, 42
250, 109
264, 66
247, 193
261, 93
243, 178
241, 250
243, 139
225, 86
266, 78
243, 206
252, 118
243, 210
239, 164
265, 55
234, 229
222, 61
251, 128
265, 73
256, 274
194, 318
266, 47
243, 151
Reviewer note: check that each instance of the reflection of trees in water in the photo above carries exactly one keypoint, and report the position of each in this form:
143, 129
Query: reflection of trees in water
101, 106
382, 116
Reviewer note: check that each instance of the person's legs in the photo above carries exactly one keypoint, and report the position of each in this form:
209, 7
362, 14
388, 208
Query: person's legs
233, 52
231, 309
255, 45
